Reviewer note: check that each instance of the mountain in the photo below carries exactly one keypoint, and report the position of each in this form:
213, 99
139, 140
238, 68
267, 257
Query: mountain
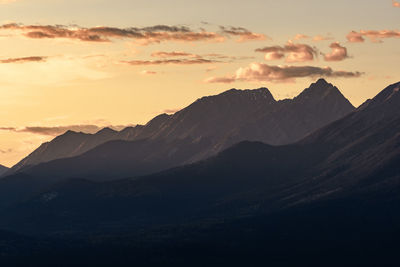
355, 156
329, 199
3, 170
68, 144
206, 127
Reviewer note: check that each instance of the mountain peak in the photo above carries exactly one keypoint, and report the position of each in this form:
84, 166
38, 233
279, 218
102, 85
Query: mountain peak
390, 94
321, 81
70, 133
259, 91
106, 130
238, 95
321, 89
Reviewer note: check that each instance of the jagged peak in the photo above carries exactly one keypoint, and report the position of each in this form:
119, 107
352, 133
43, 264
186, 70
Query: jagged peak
322, 81
106, 130
72, 133
262, 92
320, 89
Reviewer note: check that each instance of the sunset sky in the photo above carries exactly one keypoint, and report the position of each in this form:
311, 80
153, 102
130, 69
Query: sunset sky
86, 64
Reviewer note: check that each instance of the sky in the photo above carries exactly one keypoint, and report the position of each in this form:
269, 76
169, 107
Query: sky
83, 65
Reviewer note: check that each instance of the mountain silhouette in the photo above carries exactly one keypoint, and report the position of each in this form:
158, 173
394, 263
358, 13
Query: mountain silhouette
204, 128
332, 195
355, 155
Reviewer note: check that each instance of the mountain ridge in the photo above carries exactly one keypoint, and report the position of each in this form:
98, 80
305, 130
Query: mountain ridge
217, 122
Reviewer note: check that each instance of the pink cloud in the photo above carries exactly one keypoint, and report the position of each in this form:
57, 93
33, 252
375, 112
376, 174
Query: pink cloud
338, 53
148, 72
374, 36
294, 52
319, 38
301, 36
183, 61
260, 72
244, 34
355, 37
273, 56
163, 54
23, 60
143, 36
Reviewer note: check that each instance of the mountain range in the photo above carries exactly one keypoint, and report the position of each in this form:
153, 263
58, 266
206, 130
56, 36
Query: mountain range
204, 128
358, 153
330, 198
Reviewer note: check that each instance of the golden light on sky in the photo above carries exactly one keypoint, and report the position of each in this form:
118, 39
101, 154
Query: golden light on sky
87, 64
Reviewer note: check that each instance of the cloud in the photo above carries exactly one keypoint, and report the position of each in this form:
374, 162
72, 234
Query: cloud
184, 61
146, 35
338, 53
319, 38
23, 60
58, 130
243, 34
163, 54
148, 72
171, 111
260, 72
395, 3
301, 36
294, 52
374, 36
273, 56
143, 36
6, 151
316, 38
211, 68
355, 37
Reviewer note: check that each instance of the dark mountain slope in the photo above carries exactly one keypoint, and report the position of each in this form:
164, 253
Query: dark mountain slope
3, 170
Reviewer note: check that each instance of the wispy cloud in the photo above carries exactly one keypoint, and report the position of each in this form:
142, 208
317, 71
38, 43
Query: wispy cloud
260, 72
23, 60
300, 36
338, 53
163, 54
293, 52
184, 61
316, 38
243, 34
6, 151
374, 36
143, 36
171, 111
319, 38
148, 72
